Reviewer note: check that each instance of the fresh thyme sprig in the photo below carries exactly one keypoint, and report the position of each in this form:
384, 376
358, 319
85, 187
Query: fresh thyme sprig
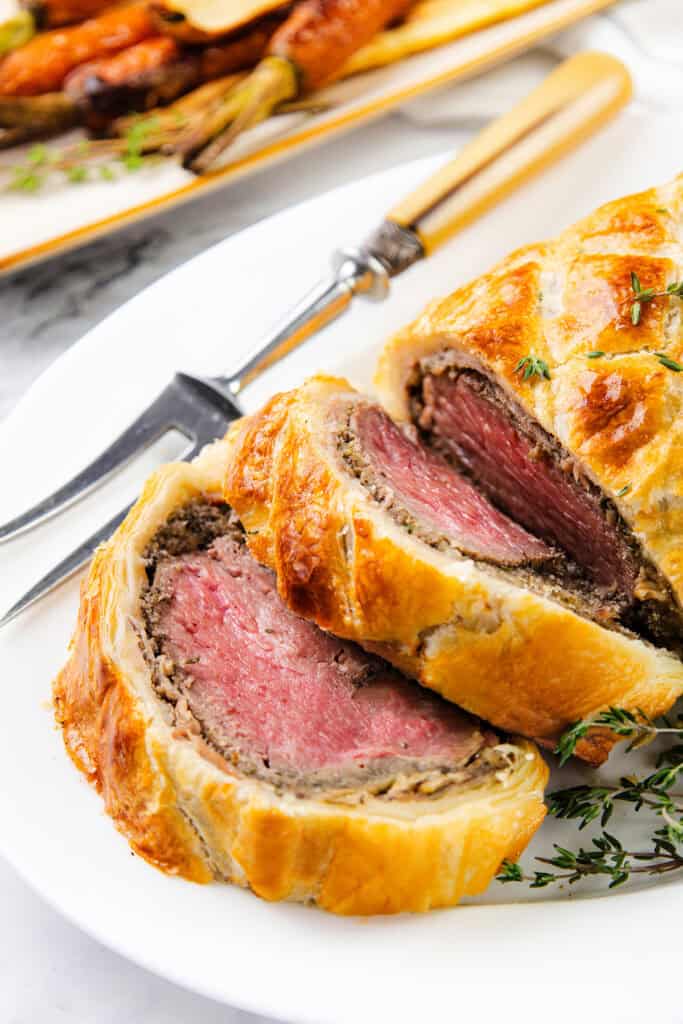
532, 366
634, 724
644, 295
87, 159
588, 804
606, 857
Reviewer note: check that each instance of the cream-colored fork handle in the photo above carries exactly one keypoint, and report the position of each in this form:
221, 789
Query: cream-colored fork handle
573, 102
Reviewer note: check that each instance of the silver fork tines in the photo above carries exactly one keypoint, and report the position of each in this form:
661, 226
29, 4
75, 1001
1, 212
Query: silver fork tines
182, 406
196, 407
201, 408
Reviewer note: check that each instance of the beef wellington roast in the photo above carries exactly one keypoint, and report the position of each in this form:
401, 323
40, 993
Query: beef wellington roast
233, 740
471, 547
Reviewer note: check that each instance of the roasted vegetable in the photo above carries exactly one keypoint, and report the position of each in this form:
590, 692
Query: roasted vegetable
433, 23
43, 64
315, 41
25, 118
320, 36
155, 72
16, 27
205, 21
56, 13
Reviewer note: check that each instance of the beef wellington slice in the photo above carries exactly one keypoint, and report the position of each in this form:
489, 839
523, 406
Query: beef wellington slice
468, 546
234, 740
554, 385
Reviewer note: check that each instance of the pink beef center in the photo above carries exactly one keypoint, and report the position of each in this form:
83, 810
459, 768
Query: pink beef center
530, 487
267, 682
436, 495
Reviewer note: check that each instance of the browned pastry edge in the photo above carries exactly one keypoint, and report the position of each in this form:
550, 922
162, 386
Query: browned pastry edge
620, 412
513, 657
185, 812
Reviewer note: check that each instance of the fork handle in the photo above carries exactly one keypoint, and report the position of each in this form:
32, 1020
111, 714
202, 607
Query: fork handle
568, 106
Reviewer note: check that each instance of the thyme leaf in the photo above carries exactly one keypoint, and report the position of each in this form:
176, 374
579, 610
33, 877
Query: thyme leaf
606, 856
645, 295
670, 364
585, 804
633, 724
530, 366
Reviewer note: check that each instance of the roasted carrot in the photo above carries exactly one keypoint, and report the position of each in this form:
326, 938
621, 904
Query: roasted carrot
155, 72
42, 65
237, 52
308, 49
55, 13
321, 35
127, 66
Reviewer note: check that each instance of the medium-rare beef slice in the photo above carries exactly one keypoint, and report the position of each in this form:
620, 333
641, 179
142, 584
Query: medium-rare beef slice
324, 485
434, 499
275, 696
528, 475
421, 490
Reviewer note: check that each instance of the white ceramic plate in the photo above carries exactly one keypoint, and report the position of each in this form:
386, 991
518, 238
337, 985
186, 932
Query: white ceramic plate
59, 218
555, 959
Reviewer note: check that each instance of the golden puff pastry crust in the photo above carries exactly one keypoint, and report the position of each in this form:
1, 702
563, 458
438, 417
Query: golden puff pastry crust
619, 412
190, 813
514, 657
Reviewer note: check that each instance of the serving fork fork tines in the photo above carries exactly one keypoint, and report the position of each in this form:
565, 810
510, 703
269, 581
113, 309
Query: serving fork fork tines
575, 100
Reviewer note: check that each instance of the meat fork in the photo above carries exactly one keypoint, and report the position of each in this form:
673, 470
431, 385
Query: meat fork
576, 99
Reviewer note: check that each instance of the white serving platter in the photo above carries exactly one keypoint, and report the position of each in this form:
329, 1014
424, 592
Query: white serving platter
530, 957
61, 217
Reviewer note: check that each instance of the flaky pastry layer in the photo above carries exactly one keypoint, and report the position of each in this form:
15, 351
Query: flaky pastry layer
188, 813
514, 657
611, 399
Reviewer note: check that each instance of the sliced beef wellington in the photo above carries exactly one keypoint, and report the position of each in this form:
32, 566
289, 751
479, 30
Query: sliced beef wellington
233, 740
528, 613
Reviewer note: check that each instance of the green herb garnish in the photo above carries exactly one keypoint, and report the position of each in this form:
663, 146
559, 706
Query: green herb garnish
645, 295
37, 155
632, 724
595, 355
25, 178
590, 804
623, 490
77, 174
138, 133
607, 857
670, 364
530, 366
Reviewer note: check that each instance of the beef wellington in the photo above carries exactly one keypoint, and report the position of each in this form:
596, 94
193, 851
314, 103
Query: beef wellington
468, 545
234, 740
